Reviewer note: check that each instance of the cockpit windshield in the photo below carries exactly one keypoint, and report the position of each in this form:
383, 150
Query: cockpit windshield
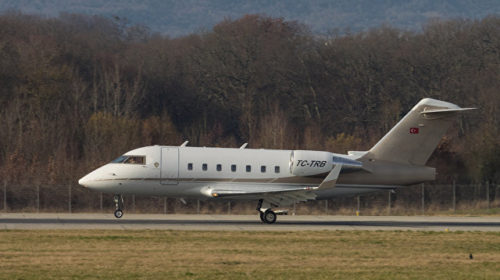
130, 159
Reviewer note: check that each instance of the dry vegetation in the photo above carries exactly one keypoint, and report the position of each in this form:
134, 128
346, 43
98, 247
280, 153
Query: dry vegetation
248, 255
406, 201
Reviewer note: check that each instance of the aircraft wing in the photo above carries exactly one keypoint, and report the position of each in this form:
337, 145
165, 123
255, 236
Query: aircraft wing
275, 195
279, 196
234, 191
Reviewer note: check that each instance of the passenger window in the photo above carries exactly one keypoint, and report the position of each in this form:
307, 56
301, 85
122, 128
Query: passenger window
233, 167
249, 168
204, 167
135, 160
263, 169
276, 169
219, 167
190, 166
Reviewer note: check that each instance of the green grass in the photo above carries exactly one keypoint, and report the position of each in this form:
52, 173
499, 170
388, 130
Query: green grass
108, 254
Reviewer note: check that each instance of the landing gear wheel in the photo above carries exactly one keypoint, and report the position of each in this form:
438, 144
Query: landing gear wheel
269, 216
118, 198
118, 213
261, 214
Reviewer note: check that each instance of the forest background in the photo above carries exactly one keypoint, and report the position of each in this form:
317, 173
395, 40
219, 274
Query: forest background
77, 91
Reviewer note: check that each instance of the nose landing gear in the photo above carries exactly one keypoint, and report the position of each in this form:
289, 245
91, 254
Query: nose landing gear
119, 205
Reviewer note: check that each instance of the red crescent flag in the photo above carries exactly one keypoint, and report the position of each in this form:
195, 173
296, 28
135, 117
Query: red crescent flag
414, 130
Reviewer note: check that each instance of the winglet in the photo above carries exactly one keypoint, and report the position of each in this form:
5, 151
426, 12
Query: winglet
331, 180
184, 144
243, 146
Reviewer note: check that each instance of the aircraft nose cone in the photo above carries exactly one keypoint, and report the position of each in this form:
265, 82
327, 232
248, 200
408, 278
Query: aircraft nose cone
85, 181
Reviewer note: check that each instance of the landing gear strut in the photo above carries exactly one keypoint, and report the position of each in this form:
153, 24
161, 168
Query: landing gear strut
119, 205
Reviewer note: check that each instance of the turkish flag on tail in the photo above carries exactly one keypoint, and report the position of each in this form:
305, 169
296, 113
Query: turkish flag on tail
414, 130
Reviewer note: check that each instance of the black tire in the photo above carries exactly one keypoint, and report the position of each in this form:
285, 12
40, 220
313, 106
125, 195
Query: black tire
269, 216
118, 213
261, 214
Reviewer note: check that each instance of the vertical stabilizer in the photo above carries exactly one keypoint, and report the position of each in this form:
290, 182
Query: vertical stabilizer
413, 139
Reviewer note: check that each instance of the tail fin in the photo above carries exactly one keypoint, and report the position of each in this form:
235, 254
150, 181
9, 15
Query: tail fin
413, 139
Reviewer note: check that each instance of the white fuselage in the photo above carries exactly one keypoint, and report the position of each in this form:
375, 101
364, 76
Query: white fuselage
190, 172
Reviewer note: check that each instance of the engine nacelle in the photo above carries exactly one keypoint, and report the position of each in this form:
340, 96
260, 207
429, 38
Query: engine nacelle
308, 163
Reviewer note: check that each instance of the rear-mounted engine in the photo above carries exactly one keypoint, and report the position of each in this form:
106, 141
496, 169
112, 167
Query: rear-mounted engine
308, 163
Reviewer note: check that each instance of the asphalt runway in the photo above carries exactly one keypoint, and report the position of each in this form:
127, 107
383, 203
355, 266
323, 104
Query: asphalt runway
244, 222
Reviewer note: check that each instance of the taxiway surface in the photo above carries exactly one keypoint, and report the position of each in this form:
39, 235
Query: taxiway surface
244, 222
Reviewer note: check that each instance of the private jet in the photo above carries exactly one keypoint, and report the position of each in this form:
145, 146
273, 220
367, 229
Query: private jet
279, 178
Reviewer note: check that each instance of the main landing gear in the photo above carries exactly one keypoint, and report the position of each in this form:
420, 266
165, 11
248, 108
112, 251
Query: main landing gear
267, 215
119, 205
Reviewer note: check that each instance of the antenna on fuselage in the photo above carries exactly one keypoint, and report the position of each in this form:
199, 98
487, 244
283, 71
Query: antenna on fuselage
184, 144
243, 146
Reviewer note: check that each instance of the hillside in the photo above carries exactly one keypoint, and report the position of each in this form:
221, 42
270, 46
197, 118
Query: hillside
177, 18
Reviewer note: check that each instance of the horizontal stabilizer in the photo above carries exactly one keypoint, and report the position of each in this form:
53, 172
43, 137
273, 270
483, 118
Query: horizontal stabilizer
454, 110
357, 154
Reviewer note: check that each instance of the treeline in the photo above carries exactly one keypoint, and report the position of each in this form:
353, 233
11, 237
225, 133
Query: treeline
77, 91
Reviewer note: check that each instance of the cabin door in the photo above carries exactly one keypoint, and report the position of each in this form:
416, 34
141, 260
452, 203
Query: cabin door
169, 165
